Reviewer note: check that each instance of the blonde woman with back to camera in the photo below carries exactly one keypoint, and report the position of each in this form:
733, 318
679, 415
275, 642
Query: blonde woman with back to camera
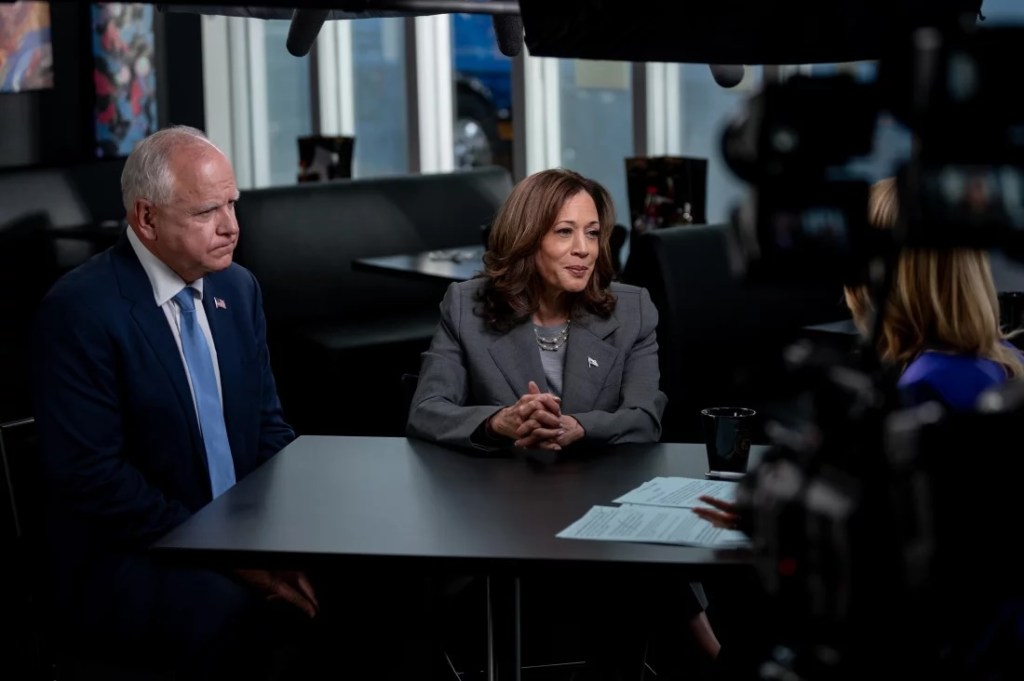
940, 330
941, 324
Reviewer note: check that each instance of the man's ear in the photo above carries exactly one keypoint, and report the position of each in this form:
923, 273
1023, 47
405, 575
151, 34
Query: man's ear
144, 212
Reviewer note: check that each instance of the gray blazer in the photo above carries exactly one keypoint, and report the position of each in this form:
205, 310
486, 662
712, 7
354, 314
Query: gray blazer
610, 381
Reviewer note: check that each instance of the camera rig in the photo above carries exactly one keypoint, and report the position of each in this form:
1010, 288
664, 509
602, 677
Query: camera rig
883, 532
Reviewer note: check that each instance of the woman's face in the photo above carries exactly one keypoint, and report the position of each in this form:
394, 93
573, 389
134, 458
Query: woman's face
565, 260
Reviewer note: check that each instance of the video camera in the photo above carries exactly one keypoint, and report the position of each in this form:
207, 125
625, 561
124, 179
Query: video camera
964, 186
875, 532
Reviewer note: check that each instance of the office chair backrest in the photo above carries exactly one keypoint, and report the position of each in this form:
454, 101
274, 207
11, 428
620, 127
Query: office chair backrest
21, 480
25, 608
22, 607
719, 340
618, 239
409, 382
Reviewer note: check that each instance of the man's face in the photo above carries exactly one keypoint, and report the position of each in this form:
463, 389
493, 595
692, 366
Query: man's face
195, 232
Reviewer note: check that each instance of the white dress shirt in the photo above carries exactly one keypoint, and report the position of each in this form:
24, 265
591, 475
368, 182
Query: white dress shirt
166, 284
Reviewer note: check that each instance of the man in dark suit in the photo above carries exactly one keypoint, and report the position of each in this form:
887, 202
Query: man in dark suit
153, 394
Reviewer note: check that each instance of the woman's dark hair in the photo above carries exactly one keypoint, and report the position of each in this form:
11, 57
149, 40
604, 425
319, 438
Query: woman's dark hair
513, 287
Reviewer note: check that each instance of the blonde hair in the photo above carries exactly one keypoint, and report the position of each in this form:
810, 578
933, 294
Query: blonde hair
941, 300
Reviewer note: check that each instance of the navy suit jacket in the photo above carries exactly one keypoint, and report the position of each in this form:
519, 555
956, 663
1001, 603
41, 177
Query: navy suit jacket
118, 434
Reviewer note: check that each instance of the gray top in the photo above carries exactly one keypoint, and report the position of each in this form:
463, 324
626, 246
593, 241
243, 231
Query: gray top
553, 361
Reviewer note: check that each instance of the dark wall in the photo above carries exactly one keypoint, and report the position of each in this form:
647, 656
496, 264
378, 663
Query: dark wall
51, 128
180, 67
52, 186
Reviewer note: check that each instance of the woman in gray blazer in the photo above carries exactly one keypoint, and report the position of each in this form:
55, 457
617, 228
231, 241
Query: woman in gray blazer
543, 350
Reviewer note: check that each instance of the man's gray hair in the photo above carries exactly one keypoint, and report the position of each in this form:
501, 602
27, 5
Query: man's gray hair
147, 173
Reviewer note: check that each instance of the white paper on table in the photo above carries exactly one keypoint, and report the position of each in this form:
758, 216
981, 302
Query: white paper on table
679, 492
653, 524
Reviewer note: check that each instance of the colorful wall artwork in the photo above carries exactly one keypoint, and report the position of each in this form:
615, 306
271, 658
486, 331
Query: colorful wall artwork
124, 76
26, 56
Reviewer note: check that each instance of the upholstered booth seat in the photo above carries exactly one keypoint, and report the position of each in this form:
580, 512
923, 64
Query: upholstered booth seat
49, 220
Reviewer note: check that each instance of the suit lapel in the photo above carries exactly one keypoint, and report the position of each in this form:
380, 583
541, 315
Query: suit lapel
517, 357
588, 359
136, 288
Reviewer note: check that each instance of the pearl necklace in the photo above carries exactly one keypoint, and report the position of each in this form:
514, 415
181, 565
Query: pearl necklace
553, 343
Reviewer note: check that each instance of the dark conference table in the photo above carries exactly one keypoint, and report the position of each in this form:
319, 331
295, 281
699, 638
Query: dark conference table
450, 264
369, 501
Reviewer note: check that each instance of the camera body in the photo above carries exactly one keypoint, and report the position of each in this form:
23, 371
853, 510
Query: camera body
871, 526
798, 141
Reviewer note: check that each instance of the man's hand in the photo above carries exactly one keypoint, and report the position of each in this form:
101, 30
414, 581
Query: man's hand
291, 586
533, 410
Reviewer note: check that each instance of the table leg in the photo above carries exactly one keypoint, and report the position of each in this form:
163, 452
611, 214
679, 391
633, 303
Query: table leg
503, 644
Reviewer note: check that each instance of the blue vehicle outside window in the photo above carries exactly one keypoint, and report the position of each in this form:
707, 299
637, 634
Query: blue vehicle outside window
483, 84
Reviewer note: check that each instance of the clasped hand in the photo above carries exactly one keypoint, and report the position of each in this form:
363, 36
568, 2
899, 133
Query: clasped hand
536, 420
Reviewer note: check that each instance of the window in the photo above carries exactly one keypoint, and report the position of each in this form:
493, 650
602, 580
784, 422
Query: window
706, 109
245, 62
381, 128
287, 103
483, 94
596, 104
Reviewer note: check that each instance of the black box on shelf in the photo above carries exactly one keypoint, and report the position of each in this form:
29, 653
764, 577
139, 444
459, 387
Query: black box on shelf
666, 191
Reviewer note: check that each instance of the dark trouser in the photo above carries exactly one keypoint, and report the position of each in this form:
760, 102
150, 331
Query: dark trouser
200, 623
380, 625
611, 622
746, 622
136, 613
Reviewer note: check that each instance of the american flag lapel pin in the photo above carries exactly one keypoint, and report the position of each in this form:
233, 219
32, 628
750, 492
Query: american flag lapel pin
591, 362
219, 302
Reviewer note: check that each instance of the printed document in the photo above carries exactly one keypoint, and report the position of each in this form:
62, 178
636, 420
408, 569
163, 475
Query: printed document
679, 492
655, 524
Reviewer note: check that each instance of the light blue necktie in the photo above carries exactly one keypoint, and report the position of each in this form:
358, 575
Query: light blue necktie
204, 385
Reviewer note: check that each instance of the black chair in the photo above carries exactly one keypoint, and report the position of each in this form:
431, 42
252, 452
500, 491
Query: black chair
28, 267
617, 240
720, 340
409, 382
28, 657
36, 649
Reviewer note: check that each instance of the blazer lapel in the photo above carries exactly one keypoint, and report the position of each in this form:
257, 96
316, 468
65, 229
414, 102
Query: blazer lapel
588, 359
517, 356
135, 287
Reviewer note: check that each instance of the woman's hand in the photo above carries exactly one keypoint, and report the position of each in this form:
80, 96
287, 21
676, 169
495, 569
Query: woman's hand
725, 514
565, 433
534, 410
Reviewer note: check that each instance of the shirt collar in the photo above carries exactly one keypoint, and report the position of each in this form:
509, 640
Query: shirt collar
166, 283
